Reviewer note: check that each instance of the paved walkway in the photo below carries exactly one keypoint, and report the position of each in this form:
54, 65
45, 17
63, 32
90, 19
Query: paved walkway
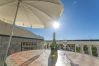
62, 59
82, 59
40, 58
26, 63
66, 58
29, 58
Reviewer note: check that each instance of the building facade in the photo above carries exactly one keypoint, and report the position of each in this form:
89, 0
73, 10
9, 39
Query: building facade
22, 40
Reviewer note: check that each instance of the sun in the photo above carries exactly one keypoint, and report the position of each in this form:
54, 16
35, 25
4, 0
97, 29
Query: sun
56, 25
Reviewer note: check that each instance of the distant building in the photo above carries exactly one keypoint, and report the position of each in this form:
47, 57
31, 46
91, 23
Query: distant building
22, 40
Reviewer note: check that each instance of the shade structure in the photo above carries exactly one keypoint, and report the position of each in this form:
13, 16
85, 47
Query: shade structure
31, 13
5, 30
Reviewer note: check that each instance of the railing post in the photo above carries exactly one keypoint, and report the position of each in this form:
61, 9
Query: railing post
82, 50
90, 49
97, 46
75, 47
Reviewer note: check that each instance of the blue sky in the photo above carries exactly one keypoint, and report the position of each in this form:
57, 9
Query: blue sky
80, 20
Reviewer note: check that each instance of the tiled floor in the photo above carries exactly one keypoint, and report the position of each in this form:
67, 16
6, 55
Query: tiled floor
21, 57
40, 58
29, 58
82, 59
62, 59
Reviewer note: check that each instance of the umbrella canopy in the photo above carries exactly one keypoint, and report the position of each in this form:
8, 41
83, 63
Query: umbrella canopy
31, 13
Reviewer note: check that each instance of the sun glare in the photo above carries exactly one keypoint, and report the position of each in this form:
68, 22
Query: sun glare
56, 25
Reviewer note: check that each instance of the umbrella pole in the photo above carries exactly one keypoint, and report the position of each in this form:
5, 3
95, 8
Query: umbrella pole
13, 27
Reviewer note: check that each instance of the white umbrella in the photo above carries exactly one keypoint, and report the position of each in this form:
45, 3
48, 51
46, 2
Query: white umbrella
29, 13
